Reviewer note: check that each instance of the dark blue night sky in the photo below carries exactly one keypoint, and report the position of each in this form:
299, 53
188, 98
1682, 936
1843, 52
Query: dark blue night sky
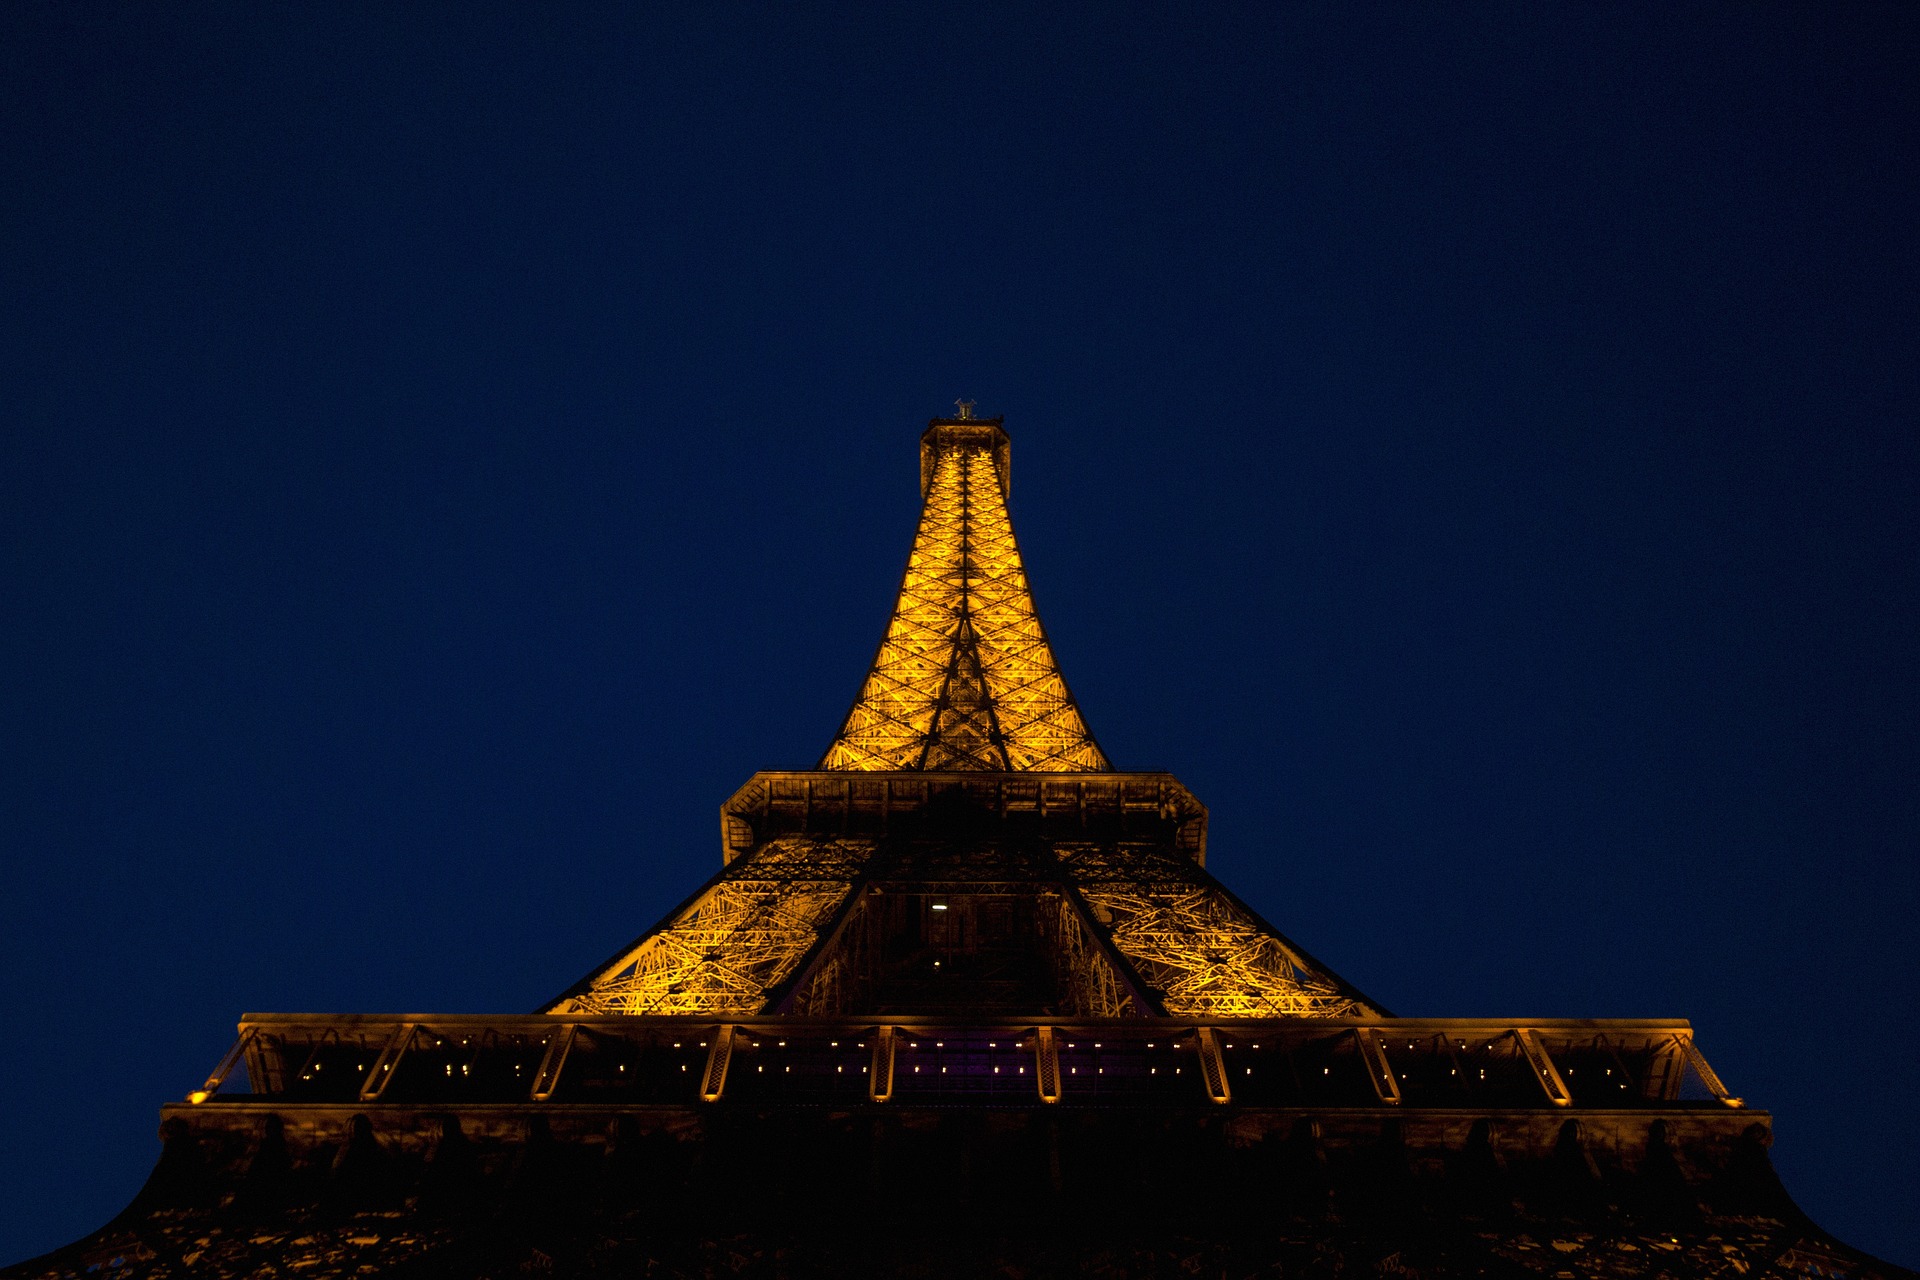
447, 449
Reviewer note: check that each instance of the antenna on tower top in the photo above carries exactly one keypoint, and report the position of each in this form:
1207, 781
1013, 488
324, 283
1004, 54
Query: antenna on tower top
965, 408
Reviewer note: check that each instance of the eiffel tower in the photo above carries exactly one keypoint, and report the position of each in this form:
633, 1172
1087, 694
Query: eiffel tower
963, 999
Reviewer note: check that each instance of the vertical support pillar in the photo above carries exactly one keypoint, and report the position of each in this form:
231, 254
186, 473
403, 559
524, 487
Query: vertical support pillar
1213, 1066
1373, 1052
1708, 1077
383, 1066
880, 1071
223, 1069
715, 1078
559, 1043
1543, 1069
1046, 1064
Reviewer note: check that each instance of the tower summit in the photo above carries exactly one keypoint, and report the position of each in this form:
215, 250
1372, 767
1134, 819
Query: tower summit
965, 678
962, 1000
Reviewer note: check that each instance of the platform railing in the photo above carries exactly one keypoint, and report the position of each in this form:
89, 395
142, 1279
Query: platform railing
429, 1059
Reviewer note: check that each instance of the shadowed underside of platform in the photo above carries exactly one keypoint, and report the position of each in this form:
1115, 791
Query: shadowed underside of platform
1024, 1192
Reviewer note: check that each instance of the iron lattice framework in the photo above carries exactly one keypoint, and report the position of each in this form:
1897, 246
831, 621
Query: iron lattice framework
801, 925
964, 678
1204, 953
738, 938
953, 893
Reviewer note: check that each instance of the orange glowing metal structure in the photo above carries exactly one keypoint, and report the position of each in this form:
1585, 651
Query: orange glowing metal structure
965, 679
962, 803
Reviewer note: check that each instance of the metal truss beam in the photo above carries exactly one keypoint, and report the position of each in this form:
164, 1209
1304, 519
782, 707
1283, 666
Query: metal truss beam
381, 1073
1046, 1064
1373, 1052
713, 1081
1708, 1077
1543, 1068
880, 1070
242, 1047
552, 1063
1213, 1068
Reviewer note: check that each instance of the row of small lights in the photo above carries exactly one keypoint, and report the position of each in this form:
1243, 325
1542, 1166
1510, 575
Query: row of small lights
466, 1068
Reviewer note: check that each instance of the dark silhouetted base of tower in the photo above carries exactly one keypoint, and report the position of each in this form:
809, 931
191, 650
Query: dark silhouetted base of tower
791, 1191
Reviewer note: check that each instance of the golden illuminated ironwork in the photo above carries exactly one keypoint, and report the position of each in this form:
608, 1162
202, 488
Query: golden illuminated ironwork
1091, 986
741, 935
965, 678
971, 877
1201, 952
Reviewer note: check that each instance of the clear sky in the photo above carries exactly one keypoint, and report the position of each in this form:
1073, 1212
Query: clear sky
448, 448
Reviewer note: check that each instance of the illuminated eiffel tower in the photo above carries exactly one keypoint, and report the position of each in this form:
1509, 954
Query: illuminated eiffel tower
962, 1000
